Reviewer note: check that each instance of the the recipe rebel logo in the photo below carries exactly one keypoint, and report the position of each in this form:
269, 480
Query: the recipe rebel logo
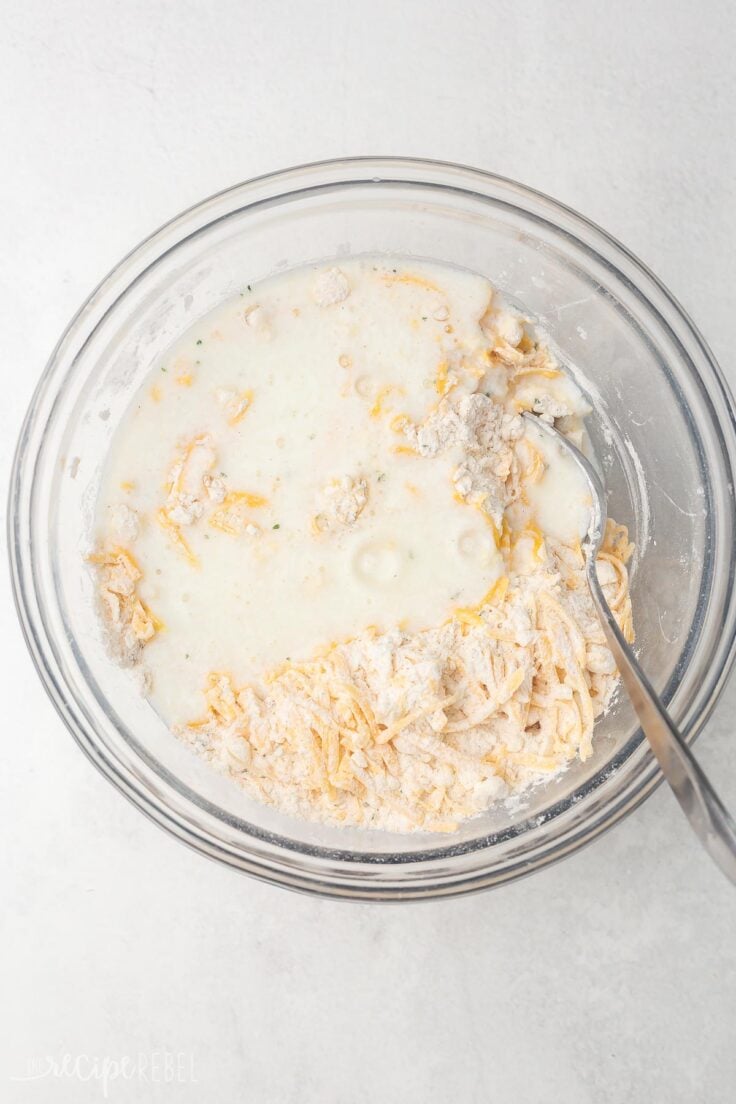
156, 1067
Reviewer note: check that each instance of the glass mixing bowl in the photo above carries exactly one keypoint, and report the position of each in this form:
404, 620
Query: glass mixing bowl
663, 428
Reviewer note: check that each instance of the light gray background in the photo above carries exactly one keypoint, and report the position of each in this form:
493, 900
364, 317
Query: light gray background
607, 978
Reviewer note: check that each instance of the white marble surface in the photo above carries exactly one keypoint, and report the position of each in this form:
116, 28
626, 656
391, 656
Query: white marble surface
607, 978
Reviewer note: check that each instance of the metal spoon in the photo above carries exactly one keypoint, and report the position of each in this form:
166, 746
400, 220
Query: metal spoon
700, 803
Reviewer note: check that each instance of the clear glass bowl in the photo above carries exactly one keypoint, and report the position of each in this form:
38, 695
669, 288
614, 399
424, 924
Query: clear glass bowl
664, 427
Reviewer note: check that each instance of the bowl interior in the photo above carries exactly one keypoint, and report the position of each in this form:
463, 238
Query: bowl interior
652, 428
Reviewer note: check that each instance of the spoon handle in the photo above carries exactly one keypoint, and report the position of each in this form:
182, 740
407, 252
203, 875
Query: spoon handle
708, 817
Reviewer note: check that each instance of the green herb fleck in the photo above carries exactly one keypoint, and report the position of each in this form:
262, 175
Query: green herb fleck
187, 655
198, 341
380, 477
276, 526
164, 369
206, 536
249, 287
424, 318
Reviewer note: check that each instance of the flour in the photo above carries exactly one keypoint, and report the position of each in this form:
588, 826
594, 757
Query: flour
483, 435
129, 623
214, 486
344, 499
184, 504
331, 287
124, 523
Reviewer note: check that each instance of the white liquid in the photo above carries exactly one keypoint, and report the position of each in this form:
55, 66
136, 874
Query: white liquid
560, 502
320, 411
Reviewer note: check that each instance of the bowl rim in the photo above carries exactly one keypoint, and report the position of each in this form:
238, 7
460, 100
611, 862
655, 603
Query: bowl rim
274, 867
